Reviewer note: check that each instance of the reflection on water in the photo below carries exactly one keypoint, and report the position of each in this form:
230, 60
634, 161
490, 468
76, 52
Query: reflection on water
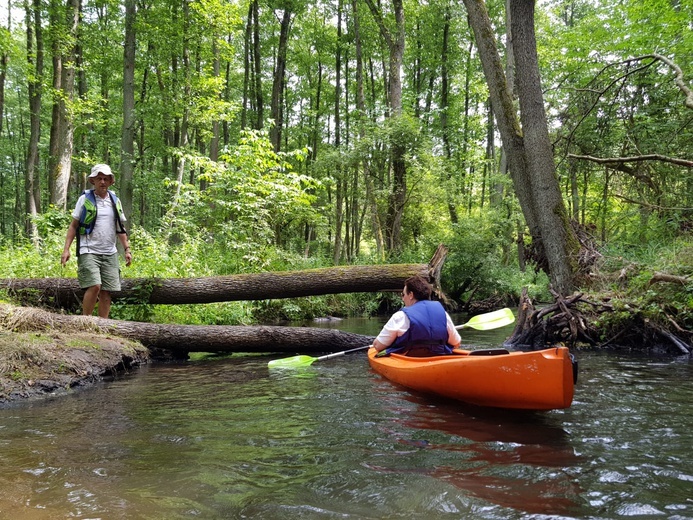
227, 438
494, 442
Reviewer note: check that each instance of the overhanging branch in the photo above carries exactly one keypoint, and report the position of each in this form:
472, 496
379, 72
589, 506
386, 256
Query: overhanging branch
635, 158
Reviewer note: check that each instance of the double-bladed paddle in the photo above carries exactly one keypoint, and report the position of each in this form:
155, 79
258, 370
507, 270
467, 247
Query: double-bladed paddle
488, 321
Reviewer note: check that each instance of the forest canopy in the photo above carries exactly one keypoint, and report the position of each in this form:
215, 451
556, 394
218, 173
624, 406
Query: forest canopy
262, 135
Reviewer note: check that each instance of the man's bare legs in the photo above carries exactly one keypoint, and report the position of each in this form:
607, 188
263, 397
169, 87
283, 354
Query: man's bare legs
91, 296
104, 304
95, 294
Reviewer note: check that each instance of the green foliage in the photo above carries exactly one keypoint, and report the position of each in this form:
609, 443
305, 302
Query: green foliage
300, 309
475, 265
254, 209
223, 313
631, 274
252, 200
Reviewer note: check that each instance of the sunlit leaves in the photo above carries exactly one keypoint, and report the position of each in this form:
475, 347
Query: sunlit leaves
252, 196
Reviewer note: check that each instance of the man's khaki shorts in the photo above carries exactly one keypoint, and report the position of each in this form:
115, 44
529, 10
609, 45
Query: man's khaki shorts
103, 270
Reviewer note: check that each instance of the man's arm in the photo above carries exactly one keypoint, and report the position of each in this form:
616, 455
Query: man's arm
123, 237
71, 234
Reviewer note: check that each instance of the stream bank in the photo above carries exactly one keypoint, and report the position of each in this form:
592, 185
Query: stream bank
38, 364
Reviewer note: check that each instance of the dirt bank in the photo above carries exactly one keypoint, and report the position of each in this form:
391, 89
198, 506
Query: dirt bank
37, 361
35, 364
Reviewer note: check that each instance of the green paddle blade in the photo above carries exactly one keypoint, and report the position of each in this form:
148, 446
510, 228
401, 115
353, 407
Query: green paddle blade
292, 362
490, 320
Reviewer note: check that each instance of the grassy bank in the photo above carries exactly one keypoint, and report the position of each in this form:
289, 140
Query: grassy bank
38, 362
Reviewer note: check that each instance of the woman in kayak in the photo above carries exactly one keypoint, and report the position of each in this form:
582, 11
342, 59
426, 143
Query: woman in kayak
422, 328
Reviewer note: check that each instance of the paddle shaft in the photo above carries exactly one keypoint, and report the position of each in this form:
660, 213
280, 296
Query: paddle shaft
338, 354
491, 320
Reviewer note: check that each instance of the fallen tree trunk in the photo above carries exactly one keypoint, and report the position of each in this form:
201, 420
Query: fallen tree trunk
65, 292
182, 339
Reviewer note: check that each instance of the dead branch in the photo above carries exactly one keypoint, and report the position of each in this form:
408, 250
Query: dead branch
668, 278
678, 79
634, 158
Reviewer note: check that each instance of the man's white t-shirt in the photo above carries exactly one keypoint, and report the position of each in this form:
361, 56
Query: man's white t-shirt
102, 240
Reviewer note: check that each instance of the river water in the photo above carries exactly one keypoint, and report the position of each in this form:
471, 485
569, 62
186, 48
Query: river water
228, 439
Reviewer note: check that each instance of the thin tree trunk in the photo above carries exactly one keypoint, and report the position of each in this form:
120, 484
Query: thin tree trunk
34, 34
214, 142
4, 60
187, 94
339, 173
56, 24
398, 193
451, 193
376, 227
65, 140
315, 106
258, 66
278, 82
247, 64
127, 158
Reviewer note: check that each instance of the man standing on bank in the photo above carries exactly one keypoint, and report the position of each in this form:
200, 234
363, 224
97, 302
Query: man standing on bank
422, 328
97, 221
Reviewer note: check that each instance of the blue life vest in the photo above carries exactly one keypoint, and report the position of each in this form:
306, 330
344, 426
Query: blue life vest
427, 327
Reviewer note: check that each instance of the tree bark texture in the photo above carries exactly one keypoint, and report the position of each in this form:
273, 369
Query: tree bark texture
559, 241
127, 158
65, 292
66, 128
35, 63
182, 339
503, 108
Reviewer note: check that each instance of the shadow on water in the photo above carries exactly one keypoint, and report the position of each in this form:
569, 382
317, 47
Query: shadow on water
522, 442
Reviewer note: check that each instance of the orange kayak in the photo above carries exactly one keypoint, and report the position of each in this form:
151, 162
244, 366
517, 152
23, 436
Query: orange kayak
538, 380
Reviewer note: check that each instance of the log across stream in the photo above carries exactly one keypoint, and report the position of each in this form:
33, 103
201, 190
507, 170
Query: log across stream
181, 339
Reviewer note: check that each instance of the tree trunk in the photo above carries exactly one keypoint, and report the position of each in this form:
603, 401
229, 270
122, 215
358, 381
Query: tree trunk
376, 227
127, 158
340, 191
529, 153
182, 339
502, 103
66, 128
65, 292
5, 58
34, 34
450, 182
55, 28
247, 88
398, 193
216, 134
257, 61
558, 238
278, 83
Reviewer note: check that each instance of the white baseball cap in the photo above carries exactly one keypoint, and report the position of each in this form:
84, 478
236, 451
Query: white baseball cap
101, 168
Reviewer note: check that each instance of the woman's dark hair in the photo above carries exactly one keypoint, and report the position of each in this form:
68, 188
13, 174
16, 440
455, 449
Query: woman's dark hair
419, 287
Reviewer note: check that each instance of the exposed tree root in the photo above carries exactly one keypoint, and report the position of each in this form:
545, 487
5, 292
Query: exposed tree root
571, 321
